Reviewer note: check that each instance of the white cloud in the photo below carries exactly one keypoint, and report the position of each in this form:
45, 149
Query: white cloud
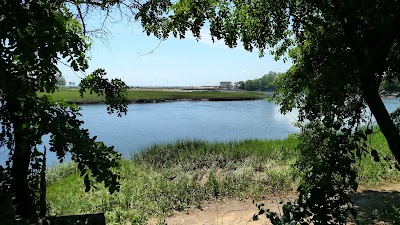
245, 72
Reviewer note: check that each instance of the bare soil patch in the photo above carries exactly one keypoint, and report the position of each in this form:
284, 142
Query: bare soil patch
229, 211
240, 212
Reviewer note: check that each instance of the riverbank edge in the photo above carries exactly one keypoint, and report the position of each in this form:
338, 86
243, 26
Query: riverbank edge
144, 101
182, 176
146, 96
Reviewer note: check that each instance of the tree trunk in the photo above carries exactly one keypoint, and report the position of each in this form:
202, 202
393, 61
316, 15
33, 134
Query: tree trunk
42, 200
23, 199
378, 109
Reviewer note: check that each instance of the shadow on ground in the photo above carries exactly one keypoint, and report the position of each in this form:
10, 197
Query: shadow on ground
377, 205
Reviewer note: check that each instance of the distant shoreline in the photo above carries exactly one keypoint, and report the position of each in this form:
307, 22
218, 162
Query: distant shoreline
158, 96
144, 101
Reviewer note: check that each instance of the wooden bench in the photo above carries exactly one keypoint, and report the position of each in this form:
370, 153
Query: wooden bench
87, 219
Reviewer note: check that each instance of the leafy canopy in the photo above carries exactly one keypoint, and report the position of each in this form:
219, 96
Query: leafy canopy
35, 36
341, 52
264, 83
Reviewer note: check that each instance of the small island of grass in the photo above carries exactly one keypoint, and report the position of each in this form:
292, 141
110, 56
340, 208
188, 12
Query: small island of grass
149, 96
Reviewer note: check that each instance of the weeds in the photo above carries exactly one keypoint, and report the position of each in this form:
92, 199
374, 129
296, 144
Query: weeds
371, 173
178, 177
390, 214
182, 176
57, 172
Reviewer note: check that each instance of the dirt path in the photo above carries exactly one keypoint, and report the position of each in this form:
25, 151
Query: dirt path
221, 212
366, 200
236, 212
228, 211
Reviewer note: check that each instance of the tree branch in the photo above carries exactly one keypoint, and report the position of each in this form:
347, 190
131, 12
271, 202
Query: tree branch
81, 17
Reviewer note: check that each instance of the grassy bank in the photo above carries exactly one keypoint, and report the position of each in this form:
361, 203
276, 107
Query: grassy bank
143, 96
184, 175
179, 177
371, 173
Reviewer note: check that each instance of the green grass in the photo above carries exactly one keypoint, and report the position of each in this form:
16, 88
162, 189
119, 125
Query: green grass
182, 176
371, 173
72, 95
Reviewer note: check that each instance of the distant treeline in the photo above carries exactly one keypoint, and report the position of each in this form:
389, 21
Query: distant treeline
390, 86
267, 83
264, 83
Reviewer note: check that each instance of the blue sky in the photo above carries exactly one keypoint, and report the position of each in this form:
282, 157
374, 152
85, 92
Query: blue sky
176, 62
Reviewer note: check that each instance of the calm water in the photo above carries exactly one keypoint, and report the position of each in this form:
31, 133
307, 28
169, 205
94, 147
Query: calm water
391, 104
147, 124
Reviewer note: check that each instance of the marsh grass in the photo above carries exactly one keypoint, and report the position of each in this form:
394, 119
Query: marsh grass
179, 176
72, 95
182, 176
57, 172
371, 173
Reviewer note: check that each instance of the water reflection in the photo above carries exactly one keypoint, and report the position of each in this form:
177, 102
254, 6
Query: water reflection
147, 124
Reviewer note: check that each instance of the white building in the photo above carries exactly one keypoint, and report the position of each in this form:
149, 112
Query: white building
225, 84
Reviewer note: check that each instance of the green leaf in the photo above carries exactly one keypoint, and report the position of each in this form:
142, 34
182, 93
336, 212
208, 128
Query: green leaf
374, 154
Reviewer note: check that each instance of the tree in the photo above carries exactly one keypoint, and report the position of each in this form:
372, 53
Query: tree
264, 83
390, 86
250, 85
269, 81
346, 49
35, 36
61, 80
341, 52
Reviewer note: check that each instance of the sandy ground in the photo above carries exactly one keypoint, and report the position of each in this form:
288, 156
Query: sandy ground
224, 213
240, 212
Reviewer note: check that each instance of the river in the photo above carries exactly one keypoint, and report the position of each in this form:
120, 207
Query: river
158, 123
147, 124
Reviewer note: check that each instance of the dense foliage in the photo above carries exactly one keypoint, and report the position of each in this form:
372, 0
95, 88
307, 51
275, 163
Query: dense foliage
61, 80
341, 52
264, 83
390, 87
35, 37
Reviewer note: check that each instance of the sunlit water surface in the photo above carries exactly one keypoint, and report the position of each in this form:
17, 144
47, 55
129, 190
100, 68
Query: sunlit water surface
158, 123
